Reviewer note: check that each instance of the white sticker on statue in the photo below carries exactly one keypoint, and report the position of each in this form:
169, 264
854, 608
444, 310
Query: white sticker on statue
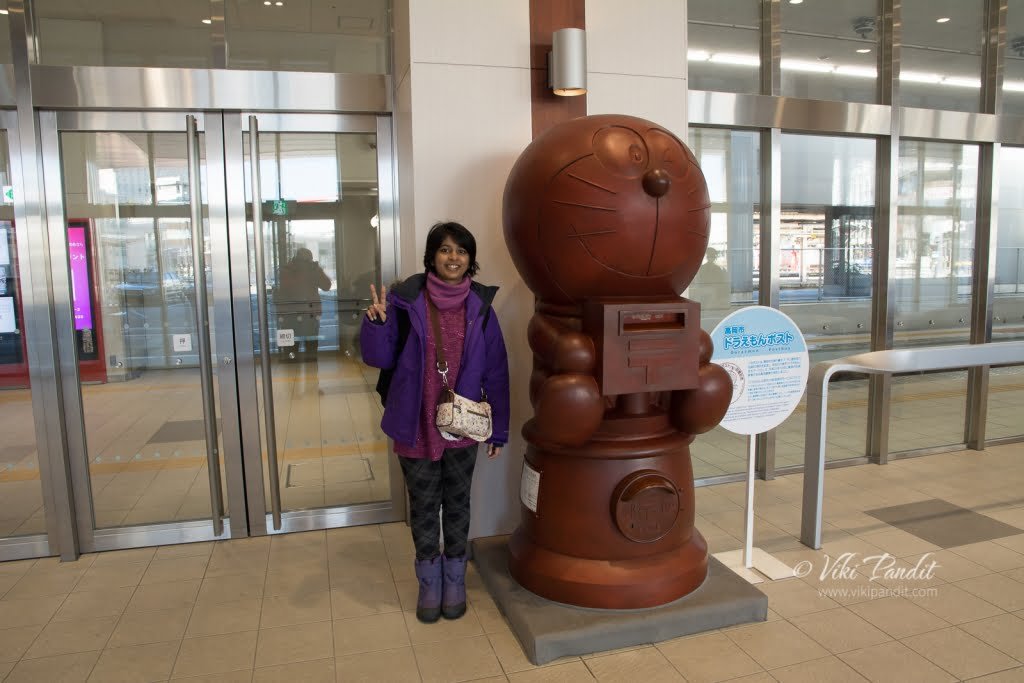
529, 487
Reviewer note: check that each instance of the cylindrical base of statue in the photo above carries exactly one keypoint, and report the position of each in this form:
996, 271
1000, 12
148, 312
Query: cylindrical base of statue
613, 525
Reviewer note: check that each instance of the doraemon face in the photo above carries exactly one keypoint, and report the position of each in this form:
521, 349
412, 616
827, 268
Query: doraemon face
622, 211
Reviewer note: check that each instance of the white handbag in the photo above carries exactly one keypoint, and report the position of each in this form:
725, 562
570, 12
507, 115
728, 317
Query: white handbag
458, 417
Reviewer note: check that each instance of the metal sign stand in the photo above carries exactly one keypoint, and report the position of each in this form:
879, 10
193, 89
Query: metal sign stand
753, 564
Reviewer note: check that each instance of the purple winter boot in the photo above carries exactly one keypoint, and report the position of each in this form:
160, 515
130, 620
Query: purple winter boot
428, 605
453, 605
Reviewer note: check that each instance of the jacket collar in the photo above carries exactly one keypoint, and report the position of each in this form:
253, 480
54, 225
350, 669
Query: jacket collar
410, 289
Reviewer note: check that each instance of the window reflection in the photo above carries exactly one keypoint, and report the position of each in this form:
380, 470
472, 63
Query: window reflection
830, 50
1008, 306
932, 292
1013, 72
724, 45
934, 242
730, 160
125, 33
941, 54
319, 194
825, 264
143, 248
825, 242
313, 35
1006, 385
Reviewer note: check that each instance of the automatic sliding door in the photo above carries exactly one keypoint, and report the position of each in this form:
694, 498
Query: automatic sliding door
22, 515
320, 218
138, 299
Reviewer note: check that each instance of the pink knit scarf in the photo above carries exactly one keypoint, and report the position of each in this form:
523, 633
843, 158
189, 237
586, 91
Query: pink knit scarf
447, 296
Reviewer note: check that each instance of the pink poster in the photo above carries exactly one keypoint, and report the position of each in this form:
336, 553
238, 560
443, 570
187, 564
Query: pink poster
79, 257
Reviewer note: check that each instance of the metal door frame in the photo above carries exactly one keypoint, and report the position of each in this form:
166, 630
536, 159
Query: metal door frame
235, 125
51, 124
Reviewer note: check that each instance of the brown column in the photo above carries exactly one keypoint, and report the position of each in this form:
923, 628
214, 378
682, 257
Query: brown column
547, 16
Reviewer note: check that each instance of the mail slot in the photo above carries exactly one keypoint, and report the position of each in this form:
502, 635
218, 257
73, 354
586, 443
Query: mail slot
644, 346
639, 322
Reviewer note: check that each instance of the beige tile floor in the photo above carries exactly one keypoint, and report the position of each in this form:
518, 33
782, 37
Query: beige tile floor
338, 605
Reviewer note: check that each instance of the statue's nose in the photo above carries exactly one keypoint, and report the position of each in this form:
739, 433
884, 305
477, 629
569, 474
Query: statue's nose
656, 182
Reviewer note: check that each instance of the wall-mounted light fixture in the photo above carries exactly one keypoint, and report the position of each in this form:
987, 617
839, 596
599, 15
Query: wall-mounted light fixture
567, 62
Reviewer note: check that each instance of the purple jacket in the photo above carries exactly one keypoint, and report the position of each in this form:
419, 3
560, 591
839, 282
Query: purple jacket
484, 365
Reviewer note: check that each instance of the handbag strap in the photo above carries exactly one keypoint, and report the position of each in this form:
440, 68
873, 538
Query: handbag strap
435, 326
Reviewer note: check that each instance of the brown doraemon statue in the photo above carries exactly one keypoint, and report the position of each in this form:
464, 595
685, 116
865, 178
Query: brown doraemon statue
606, 218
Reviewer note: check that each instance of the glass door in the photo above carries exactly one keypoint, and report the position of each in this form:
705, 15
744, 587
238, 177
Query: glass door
136, 221
23, 521
320, 200
212, 379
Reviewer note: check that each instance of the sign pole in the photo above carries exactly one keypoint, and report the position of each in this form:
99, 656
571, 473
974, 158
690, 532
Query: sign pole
748, 529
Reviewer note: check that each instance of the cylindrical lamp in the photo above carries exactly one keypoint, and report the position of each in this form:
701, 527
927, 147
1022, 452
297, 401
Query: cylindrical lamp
567, 71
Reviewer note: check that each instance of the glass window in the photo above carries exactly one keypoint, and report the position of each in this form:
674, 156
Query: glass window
1008, 308
724, 48
830, 50
932, 286
730, 160
825, 265
311, 35
1006, 385
1013, 73
125, 33
941, 55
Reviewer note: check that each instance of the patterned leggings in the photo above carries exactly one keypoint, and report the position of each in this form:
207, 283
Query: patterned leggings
442, 486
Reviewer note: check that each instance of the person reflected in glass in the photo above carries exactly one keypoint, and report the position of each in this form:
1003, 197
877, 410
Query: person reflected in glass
298, 302
397, 337
711, 287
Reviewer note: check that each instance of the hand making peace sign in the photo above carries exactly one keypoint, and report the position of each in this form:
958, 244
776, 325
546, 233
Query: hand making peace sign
379, 307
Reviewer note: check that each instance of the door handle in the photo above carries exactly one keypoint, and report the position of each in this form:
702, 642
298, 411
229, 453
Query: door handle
203, 326
264, 327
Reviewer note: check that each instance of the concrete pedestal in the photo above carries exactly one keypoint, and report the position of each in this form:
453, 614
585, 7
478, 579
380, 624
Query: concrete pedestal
548, 630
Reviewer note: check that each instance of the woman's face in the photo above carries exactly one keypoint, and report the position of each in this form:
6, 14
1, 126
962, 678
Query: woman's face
451, 261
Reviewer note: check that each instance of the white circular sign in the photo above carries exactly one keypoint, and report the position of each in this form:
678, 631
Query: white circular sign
765, 355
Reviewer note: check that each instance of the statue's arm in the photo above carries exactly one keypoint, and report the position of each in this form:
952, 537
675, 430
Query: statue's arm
567, 403
700, 409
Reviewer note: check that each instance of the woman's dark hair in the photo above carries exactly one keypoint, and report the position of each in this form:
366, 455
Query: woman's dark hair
460, 235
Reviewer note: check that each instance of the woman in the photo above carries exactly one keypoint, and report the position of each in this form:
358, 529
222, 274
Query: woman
397, 336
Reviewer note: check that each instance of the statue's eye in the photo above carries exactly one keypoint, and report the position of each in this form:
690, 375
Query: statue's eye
669, 154
622, 151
